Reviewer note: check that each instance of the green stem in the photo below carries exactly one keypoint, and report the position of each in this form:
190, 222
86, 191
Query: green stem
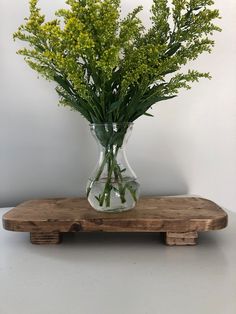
132, 192
113, 168
99, 173
119, 180
106, 195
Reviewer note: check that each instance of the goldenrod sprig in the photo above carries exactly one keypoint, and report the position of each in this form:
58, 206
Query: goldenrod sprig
112, 69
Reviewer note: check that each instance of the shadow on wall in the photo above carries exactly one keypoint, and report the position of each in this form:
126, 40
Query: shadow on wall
50, 159
162, 179
170, 182
55, 160
160, 157
67, 176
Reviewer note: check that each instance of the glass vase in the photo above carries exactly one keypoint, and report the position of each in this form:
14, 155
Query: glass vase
113, 186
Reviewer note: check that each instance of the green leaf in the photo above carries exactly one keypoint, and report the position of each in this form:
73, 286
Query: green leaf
173, 49
78, 106
145, 105
115, 105
148, 114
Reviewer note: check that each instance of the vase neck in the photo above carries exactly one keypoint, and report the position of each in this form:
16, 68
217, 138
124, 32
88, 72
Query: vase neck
114, 150
112, 137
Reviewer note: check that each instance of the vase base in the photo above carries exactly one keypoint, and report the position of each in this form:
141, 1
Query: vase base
113, 211
118, 200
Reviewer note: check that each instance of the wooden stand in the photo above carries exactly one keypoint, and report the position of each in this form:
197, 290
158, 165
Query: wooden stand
179, 218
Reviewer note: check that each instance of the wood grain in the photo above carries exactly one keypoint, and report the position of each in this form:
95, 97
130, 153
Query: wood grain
45, 237
181, 238
172, 215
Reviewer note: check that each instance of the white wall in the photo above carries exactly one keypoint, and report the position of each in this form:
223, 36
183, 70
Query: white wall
189, 147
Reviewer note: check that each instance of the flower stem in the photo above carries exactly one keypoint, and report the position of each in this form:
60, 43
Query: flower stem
114, 179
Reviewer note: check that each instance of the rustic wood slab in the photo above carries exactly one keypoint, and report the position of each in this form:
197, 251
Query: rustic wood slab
179, 218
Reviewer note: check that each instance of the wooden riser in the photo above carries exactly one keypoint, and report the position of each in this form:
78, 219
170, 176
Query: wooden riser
179, 218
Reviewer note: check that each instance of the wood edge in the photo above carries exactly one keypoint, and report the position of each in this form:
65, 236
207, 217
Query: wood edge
213, 224
208, 201
224, 220
6, 223
141, 198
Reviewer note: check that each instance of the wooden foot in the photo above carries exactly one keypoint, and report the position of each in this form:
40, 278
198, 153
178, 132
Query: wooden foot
45, 238
181, 238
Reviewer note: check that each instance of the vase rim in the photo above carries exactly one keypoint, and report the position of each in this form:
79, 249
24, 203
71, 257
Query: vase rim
112, 123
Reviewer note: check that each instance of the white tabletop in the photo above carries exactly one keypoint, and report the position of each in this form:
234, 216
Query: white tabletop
118, 274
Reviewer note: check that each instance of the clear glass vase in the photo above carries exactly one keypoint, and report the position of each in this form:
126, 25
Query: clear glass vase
113, 186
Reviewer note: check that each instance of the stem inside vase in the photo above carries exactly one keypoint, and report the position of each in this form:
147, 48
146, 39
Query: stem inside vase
113, 186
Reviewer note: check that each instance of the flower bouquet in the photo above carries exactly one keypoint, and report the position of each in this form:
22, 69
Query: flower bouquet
113, 70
